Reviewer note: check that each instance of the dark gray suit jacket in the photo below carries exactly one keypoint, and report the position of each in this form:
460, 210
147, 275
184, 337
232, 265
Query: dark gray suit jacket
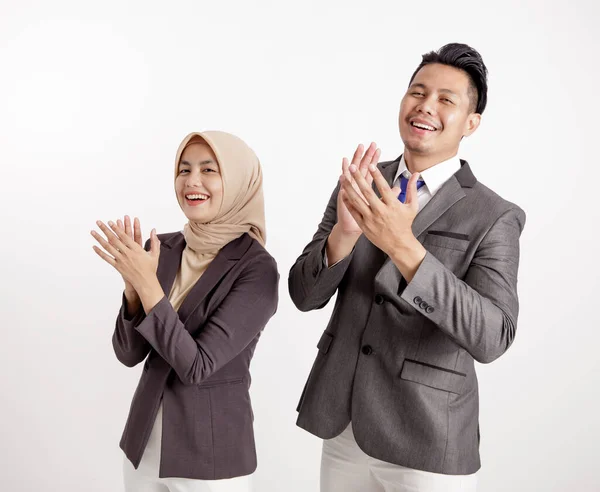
398, 360
197, 361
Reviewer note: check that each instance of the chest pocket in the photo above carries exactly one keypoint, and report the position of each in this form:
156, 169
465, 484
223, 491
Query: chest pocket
450, 248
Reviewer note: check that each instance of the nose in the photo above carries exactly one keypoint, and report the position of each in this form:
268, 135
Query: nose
427, 106
194, 179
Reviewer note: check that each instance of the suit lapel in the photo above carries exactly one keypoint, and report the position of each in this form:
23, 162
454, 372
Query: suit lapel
450, 193
170, 259
229, 255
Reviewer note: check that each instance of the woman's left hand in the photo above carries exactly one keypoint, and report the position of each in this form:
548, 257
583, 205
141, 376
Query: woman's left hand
131, 260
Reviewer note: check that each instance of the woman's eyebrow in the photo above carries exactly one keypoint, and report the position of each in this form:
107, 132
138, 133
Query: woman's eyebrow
207, 161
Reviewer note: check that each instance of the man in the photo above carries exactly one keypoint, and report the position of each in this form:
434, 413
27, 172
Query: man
425, 268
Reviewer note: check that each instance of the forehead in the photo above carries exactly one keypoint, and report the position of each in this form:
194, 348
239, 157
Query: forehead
198, 151
436, 76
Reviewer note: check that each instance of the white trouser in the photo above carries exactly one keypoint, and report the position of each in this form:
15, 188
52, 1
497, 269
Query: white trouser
346, 468
145, 478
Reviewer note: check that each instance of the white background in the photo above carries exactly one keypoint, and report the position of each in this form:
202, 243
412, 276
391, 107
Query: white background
94, 100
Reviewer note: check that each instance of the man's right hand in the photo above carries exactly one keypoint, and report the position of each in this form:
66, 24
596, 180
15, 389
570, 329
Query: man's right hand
346, 231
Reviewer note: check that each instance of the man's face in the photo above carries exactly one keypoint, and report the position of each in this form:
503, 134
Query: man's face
436, 112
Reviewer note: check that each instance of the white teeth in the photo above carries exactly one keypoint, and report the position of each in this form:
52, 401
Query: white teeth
423, 127
196, 197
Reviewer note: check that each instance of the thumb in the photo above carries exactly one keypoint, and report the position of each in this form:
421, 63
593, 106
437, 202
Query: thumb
411, 192
396, 191
154, 243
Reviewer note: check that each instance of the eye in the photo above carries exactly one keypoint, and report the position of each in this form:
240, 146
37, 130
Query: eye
446, 100
182, 171
209, 170
417, 93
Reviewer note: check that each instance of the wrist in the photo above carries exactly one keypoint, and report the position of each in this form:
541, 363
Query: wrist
340, 244
150, 293
408, 256
345, 238
130, 293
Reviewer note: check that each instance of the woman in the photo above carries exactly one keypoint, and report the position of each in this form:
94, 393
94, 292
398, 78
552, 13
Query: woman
190, 422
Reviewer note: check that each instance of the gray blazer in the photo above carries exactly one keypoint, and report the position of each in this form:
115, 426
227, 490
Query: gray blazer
197, 361
398, 360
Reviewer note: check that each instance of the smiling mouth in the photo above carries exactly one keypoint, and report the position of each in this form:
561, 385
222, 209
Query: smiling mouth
196, 199
422, 126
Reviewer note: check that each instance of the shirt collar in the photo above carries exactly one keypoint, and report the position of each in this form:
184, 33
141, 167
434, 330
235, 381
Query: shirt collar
435, 176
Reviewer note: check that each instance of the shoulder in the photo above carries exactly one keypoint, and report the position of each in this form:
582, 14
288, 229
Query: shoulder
494, 203
258, 257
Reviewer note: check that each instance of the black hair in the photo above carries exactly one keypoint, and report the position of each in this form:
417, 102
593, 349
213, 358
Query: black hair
468, 60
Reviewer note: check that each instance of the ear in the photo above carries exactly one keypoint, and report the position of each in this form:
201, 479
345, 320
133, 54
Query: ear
472, 123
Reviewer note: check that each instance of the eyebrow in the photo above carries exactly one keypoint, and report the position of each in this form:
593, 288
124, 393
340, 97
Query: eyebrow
208, 161
422, 86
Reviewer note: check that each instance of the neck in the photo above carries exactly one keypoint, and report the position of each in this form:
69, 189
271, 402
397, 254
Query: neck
417, 163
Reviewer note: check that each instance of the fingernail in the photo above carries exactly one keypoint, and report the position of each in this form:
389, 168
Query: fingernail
111, 223
352, 168
98, 222
372, 167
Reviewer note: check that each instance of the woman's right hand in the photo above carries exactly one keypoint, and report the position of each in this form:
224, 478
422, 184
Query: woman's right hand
135, 232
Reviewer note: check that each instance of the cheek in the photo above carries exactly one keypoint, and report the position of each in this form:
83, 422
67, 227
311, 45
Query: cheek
178, 186
216, 189
452, 122
404, 109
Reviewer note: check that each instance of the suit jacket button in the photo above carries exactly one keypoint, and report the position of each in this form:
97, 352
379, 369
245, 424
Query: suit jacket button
367, 350
423, 305
429, 309
379, 299
417, 300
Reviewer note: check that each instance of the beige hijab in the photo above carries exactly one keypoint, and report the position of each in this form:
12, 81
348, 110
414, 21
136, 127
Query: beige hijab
242, 209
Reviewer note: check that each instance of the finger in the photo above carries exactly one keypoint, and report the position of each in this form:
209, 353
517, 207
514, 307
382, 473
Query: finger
366, 160
387, 195
354, 197
411, 192
346, 171
356, 215
126, 241
108, 259
112, 250
137, 232
358, 154
128, 229
374, 162
366, 190
154, 243
111, 237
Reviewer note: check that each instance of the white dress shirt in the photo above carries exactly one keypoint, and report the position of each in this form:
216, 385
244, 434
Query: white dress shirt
434, 178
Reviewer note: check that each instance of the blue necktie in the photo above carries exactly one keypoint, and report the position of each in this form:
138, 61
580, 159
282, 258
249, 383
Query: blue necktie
403, 185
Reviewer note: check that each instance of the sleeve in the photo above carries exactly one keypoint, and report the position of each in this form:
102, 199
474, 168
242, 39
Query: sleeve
311, 282
479, 313
241, 316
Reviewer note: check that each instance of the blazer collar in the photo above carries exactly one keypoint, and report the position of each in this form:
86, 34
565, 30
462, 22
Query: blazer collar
170, 259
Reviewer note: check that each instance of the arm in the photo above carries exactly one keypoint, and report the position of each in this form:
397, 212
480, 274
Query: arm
241, 316
479, 313
130, 347
311, 283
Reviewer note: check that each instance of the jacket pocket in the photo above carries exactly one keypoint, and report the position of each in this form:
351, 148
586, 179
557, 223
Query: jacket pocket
444, 241
455, 235
221, 382
325, 342
433, 376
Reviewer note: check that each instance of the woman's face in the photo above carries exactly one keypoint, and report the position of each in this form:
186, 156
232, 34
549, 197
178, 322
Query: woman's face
199, 185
